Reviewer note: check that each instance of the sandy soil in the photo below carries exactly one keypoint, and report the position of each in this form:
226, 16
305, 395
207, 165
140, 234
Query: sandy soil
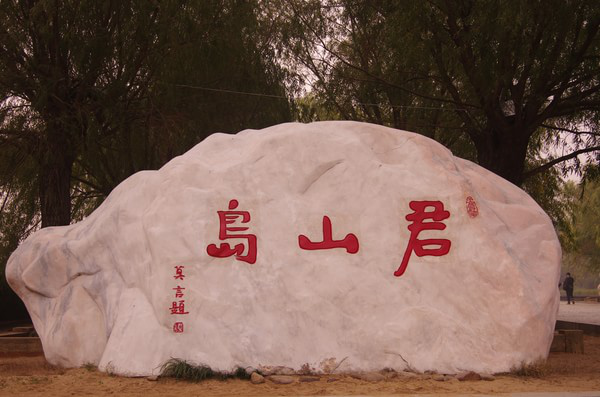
33, 376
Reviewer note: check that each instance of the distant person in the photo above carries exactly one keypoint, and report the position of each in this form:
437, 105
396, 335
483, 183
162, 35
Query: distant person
568, 286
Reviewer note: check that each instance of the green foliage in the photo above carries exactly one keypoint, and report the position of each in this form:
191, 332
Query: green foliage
214, 52
181, 369
582, 256
90, 367
309, 109
559, 200
587, 226
103, 90
19, 216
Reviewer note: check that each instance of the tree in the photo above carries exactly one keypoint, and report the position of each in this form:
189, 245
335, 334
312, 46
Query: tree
506, 92
587, 226
91, 92
219, 76
67, 65
493, 72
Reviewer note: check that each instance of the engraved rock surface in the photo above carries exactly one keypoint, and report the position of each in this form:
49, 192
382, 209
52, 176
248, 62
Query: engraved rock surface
102, 291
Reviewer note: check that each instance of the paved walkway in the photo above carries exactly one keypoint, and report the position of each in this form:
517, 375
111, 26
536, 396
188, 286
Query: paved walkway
581, 312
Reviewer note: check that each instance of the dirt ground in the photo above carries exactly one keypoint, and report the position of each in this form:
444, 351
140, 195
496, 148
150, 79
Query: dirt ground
33, 376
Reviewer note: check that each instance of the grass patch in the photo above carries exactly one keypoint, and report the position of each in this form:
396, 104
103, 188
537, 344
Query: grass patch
34, 380
90, 367
536, 369
110, 369
181, 369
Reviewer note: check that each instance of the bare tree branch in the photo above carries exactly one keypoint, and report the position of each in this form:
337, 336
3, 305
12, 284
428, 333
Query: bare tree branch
571, 131
558, 160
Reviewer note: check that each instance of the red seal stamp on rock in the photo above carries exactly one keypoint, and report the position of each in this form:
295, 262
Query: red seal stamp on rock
178, 327
472, 209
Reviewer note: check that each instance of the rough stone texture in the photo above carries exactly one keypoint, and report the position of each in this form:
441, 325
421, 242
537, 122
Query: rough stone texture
99, 291
282, 379
257, 378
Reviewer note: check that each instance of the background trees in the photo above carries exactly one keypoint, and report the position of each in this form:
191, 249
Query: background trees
71, 67
91, 92
586, 225
99, 88
484, 77
581, 250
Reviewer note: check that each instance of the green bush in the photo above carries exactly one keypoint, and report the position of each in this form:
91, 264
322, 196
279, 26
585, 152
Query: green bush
181, 369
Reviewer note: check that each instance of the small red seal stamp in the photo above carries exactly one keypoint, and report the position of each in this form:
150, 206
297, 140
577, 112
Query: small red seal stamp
472, 209
178, 327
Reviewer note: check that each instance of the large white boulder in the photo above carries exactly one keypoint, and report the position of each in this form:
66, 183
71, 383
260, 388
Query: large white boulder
483, 298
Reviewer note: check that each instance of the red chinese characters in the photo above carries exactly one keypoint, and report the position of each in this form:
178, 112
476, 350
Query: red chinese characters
178, 292
227, 231
350, 242
234, 225
179, 273
418, 225
178, 306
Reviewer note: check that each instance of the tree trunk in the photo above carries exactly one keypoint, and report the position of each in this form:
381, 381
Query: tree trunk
55, 185
503, 153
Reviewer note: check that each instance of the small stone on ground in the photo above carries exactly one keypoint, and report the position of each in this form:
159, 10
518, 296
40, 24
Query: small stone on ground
369, 376
406, 374
309, 379
282, 379
257, 378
